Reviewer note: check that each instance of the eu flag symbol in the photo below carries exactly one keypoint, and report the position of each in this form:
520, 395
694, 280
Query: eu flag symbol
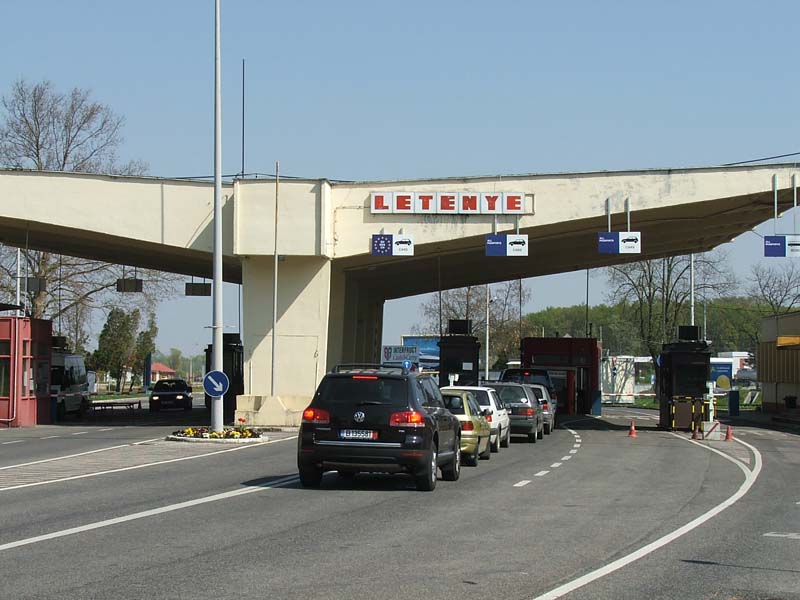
381, 244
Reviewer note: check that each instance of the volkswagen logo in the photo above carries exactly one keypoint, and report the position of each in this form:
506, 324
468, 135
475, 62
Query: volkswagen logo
359, 417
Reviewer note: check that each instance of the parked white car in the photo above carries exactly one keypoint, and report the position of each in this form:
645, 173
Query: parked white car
499, 420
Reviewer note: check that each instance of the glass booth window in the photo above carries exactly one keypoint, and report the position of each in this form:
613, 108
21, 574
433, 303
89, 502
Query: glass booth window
5, 377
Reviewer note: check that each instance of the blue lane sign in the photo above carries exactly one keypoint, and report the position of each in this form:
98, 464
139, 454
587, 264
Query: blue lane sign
608, 242
507, 244
216, 383
619, 242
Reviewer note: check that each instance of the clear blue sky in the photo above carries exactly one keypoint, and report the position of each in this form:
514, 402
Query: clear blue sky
360, 90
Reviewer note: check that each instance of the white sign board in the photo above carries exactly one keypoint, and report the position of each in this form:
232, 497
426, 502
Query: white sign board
630, 242
402, 245
793, 246
400, 353
516, 245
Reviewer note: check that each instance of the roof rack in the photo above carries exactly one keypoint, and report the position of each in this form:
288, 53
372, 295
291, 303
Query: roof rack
368, 367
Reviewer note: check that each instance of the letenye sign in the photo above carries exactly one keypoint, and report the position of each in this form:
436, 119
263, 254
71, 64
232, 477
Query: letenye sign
444, 203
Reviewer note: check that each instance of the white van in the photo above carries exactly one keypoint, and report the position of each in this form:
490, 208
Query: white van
68, 385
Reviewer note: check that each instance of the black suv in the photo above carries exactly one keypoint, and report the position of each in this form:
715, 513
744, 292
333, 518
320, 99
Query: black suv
530, 375
378, 419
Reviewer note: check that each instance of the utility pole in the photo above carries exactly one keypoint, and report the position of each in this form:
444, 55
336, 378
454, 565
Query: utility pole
216, 352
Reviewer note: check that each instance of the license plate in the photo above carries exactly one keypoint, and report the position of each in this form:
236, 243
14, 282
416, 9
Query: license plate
358, 434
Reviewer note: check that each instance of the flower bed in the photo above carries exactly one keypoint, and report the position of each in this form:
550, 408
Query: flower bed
238, 432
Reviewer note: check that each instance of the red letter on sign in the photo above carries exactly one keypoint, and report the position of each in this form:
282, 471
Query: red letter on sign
513, 203
447, 203
380, 203
402, 202
425, 203
469, 203
491, 203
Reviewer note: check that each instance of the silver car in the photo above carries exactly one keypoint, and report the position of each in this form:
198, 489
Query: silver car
548, 406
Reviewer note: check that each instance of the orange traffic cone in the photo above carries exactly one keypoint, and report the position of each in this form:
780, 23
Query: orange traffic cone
729, 434
632, 431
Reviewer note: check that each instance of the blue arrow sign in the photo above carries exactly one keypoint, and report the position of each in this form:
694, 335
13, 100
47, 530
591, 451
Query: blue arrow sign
216, 383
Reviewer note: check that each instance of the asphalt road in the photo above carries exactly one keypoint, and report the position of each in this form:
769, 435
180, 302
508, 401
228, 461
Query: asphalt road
163, 519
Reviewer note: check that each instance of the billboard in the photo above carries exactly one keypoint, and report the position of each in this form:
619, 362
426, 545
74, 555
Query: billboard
428, 345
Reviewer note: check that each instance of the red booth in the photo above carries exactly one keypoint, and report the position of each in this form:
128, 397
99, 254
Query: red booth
574, 367
24, 371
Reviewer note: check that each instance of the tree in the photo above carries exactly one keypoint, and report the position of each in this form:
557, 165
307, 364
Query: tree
44, 129
657, 292
775, 289
175, 359
116, 344
470, 303
145, 344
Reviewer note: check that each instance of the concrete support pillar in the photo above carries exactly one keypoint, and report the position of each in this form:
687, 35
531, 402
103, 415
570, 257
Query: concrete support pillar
304, 289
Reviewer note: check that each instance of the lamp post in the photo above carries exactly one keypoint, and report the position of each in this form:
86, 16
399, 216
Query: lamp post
489, 300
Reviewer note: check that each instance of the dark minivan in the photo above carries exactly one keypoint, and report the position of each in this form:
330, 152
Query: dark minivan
530, 375
372, 418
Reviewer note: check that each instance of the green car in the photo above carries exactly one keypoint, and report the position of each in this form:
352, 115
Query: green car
475, 429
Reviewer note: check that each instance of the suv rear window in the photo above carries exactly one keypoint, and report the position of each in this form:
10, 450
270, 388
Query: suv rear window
357, 389
528, 376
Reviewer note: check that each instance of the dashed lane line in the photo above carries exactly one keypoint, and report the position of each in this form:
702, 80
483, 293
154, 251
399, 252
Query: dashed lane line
49, 437
566, 457
14, 442
555, 465
541, 473
778, 534
106, 429
80, 432
576, 445
522, 483
284, 481
573, 451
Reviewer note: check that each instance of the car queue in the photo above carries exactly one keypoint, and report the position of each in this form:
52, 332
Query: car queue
367, 418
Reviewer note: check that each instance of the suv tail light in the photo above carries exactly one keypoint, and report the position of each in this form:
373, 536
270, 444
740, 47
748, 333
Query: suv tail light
467, 426
545, 406
407, 418
526, 412
316, 416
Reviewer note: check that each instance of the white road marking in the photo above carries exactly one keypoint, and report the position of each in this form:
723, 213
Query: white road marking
572, 431
149, 513
147, 441
573, 451
541, 473
565, 457
750, 478
576, 445
556, 465
791, 536
134, 467
522, 483
80, 432
14, 442
106, 429
759, 432
49, 437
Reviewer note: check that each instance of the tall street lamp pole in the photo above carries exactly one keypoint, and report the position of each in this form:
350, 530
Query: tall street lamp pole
216, 352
